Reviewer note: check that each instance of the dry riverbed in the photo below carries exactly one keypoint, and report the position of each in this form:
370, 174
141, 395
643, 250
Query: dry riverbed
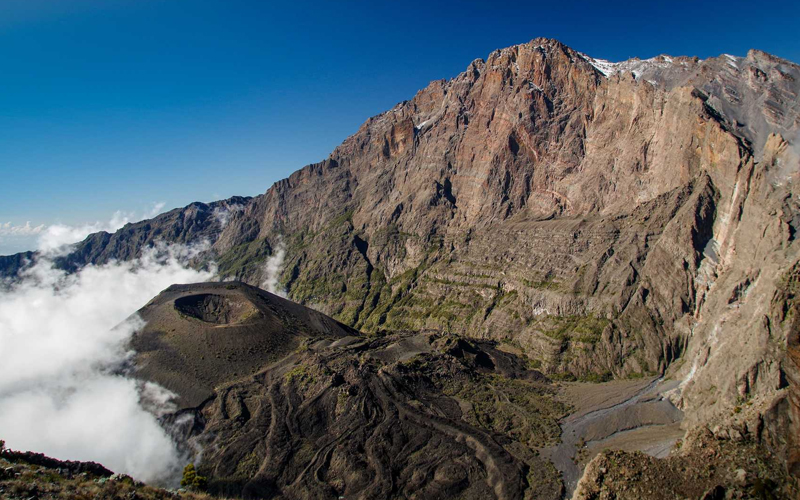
630, 415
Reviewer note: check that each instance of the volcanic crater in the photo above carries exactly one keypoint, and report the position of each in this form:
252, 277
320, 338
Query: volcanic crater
183, 349
217, 309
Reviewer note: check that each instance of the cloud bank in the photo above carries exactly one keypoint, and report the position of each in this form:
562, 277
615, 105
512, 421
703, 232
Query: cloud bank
55, 238
14, 238
9, 229
62, 341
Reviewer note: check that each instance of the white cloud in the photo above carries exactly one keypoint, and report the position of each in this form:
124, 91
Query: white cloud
155, 210
223, 215
272, 270
54, 239
9, 229
60, 393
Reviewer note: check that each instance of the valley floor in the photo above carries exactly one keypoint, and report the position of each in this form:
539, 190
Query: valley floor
628, 415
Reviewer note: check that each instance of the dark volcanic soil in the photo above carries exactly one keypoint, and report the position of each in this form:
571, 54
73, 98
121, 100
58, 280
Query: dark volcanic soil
214, 308
278, 400
402, 416
198, 336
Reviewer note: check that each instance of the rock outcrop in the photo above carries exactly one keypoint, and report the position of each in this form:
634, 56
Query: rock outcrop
706, 468
26, 475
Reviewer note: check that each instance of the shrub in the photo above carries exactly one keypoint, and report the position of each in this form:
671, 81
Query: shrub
191, 480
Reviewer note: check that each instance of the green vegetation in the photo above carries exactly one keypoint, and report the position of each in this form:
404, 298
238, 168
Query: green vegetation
547, 284
393, 232
303, 453
21, 479
191, 480
507, 298
248, 466
244, 258
522, 410
341, 400
387, 305
534, 364
789, 288
441, 281
302, 375
309, 288
542, 477
341, 219
473, 275
299, 240
592, 377
563, 376
596, 377
447, 310
586, 329
303, 346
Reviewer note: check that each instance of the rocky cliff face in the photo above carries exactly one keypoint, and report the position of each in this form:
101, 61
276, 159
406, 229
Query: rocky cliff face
536, 199
609, 219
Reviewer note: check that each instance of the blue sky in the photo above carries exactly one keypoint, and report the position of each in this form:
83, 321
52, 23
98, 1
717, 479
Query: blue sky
116, 105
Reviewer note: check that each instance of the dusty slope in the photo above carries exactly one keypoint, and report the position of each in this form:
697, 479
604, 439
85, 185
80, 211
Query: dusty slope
618, 415
199, 336
357, 420
706, 467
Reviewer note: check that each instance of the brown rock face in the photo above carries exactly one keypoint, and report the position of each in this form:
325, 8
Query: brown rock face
537, 200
